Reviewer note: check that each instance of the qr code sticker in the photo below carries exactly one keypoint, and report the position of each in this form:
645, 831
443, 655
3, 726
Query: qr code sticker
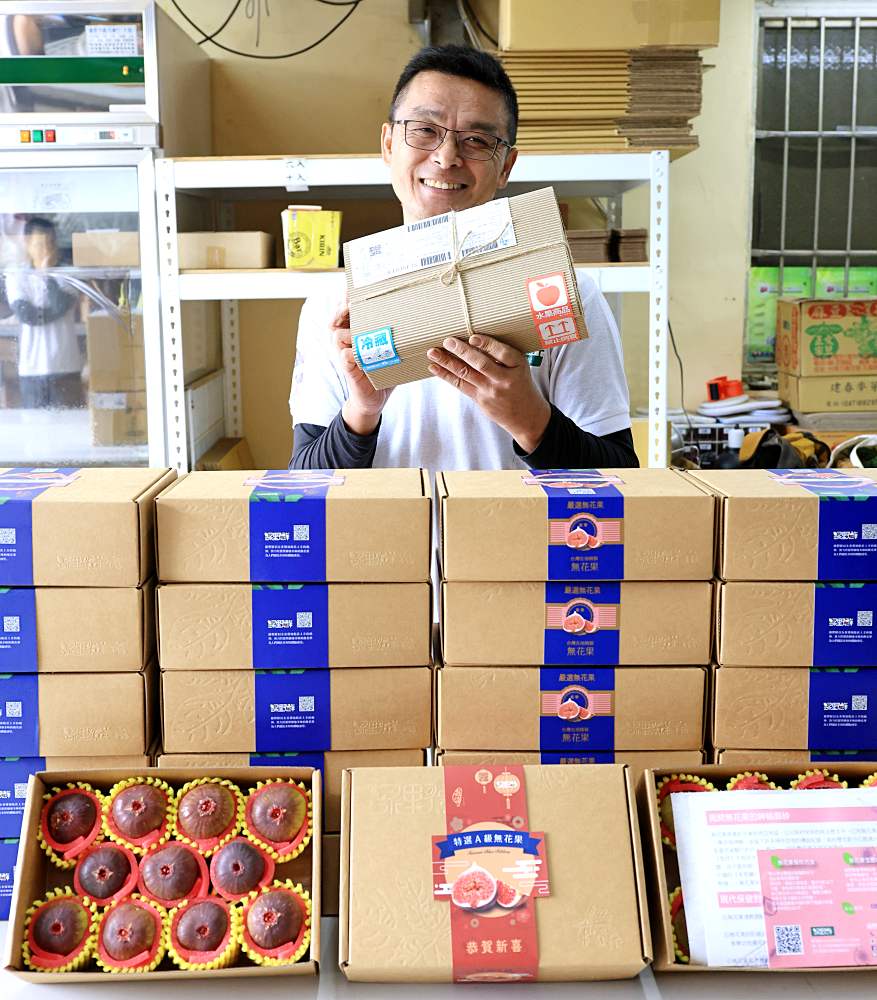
865, 619
11, 623
869, 532
20, 789
7, 536
304, 619
306, 703
860, 702
301, 532
13, 709
788, 940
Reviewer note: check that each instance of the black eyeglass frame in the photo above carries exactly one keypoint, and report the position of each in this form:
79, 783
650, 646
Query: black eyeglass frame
405, 122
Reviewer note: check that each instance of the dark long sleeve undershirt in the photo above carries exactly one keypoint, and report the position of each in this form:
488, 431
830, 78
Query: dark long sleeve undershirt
563, 446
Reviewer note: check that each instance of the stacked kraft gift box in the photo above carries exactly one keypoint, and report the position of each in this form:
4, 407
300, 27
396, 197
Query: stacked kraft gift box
295, 617
576, 617
796, 642
77, 673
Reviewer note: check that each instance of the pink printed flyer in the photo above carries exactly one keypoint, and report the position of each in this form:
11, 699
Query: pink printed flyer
820, 906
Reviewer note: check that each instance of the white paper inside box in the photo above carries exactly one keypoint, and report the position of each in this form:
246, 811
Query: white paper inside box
36, 874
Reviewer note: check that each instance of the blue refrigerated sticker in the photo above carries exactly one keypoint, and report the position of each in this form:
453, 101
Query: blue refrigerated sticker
842, 709
19, 715
19, 487
375, 349
293, 710
290, 625
585, 523
18, 631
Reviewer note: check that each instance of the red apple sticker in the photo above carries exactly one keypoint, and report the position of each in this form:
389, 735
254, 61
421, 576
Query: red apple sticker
547, 291
548, 295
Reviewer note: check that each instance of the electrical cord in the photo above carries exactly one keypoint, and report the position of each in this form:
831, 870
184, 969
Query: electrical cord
479, 25
681, 375
352, 4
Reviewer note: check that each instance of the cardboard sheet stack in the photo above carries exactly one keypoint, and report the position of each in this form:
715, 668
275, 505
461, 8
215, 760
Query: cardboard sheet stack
576, 617
797, 648
77, 681
295, 623
600, 246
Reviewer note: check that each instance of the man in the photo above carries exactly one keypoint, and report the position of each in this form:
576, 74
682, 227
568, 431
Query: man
449, 143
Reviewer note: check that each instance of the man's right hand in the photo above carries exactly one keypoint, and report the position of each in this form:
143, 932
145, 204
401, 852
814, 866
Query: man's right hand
362, 408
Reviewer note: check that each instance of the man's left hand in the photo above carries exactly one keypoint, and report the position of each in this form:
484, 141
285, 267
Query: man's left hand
498, 379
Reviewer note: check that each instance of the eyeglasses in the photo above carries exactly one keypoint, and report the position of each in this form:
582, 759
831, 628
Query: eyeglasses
472, 145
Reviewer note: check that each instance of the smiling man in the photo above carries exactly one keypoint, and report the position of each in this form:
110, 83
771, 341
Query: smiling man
449, 143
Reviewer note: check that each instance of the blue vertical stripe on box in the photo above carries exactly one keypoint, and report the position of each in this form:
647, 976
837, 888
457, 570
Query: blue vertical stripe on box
14, 775
843, 624
18, 631
19, 715
293, 711
290, 625
843, 709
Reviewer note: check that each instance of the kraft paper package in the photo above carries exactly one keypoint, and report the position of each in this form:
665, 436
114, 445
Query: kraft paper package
502, 269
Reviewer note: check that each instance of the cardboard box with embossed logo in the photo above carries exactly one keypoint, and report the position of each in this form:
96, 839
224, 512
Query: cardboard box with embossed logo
235, 626
795, 524
796, 708
77, 715
797, 624
587, 524
282, 711
305, 526
506, 873
78, 527
576, 708
630, 623
71, 629
331, 763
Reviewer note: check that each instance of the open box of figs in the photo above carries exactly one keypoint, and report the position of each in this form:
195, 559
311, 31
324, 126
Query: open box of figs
168, 873
776, 873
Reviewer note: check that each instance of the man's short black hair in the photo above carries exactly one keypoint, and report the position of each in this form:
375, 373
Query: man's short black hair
37, 224
471, 64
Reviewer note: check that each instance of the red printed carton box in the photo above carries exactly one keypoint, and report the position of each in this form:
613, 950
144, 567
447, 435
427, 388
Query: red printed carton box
826, 337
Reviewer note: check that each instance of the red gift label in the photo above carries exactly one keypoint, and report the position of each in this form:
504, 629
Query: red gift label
490, 868
552, 310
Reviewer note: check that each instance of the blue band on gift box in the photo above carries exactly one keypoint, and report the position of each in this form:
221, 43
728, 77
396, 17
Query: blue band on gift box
290, 626
843, 709
8, 855
19, 715
843, 624
582, 623
293, 710
18, 631
14, 774
315, 760
592, 692
607, 757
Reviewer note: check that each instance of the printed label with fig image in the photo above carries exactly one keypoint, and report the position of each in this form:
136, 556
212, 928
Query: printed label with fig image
576, 709
582, 623
490, 868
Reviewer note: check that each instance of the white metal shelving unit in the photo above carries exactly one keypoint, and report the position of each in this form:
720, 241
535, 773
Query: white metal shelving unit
606, 175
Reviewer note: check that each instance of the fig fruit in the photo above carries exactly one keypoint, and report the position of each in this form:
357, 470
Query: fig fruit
70, 816
274, 919
103, 872
170, 872
474, 889
128, 930
203, 925
60, 925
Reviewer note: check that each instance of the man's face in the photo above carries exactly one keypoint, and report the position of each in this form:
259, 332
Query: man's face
429, 182
41, 248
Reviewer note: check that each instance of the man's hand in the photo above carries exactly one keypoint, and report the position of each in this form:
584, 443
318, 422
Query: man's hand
498, 379
362, 408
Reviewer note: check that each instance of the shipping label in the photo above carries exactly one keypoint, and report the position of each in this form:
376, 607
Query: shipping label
19, 715
847, 543
293, 711
490, 868
585, 523
843, 709
288, 525
14, 774
843, 630
290, 625
18, 631
552, 310
577, 709
18, 489
582, 623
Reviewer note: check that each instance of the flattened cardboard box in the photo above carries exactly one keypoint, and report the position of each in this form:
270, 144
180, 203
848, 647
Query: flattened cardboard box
197, 251
795, 524
637, 761
36, 874
227, 455
577, 624
592, 524
594, 925
331, 856
797, 624
356, 525
258, 711
230, 626
828, 393
661, 884
827, 337
76, 629
522, 708
795, 708
77, 715
505, 266
330, 764
78, 527
15, 772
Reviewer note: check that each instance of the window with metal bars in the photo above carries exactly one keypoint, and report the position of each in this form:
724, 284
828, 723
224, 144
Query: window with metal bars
814, 206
